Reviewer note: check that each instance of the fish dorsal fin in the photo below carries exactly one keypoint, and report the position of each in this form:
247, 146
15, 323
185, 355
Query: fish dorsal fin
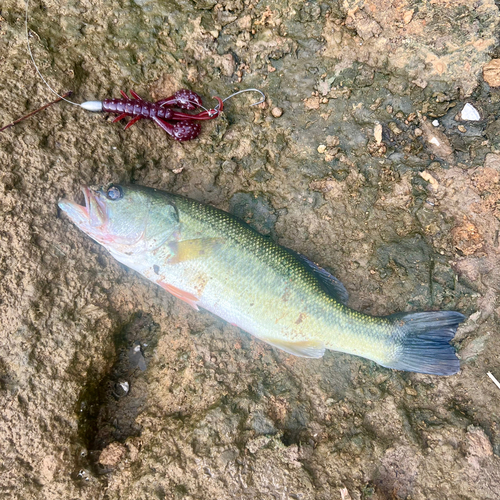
304, 348
330, 283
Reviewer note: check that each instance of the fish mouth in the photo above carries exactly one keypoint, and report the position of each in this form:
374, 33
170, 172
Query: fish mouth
91, 214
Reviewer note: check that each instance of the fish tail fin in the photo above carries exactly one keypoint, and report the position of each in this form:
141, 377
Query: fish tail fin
422, 342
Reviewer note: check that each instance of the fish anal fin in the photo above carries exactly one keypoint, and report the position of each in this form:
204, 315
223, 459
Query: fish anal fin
193, 249
302, 348
332, 285
187, 297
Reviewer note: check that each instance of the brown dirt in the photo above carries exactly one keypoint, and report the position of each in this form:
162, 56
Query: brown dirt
210, 412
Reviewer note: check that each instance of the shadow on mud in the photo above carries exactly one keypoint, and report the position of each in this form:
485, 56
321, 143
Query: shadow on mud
108, 407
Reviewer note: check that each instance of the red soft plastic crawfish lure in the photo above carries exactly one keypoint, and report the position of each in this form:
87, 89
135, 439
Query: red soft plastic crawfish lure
180, 126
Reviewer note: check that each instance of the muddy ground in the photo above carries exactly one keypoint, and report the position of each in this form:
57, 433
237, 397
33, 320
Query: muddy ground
112, 389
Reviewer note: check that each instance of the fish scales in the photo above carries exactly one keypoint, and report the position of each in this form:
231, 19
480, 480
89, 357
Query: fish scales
263, 275
212, 260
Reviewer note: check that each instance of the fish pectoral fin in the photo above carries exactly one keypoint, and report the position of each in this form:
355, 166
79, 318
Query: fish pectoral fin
303, 348
193, 249
187, 297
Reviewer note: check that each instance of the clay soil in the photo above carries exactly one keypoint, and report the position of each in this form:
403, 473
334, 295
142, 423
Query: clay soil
112, 389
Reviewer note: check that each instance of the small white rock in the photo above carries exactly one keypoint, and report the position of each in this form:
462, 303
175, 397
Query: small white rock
470, 113
377, 132
435, 123
125, 387
475, 316
276, 112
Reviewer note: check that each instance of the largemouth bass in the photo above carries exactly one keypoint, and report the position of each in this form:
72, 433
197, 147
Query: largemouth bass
210, 259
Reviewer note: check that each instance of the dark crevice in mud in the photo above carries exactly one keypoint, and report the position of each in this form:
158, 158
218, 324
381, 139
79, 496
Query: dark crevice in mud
294, 436
108, 407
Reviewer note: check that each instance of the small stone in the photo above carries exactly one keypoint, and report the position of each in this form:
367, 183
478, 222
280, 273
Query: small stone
394, 128
439, 144
418, 132
435, 123
429, 178
112, 455
377, 132
491, 73
389, 109
470, 113
321, 149
462, 128
411, 391
475, 316
408, 16
276, 112
332, 141
324, 87
420, 82
122, 388
312, 102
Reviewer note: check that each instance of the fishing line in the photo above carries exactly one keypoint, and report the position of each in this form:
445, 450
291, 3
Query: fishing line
263, 98
248, 90
34, 63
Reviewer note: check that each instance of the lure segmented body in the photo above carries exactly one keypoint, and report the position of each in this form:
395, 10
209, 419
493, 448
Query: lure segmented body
136, 107
180, 126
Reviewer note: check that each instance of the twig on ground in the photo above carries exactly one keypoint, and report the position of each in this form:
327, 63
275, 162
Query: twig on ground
67, 94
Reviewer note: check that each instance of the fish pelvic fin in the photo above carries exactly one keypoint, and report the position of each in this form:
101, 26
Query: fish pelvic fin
423, 342
303, 348
187, 297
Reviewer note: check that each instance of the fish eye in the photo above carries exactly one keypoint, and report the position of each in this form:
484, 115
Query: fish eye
114, 192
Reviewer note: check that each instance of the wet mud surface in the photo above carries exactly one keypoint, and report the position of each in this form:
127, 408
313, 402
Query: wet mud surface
110, 388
